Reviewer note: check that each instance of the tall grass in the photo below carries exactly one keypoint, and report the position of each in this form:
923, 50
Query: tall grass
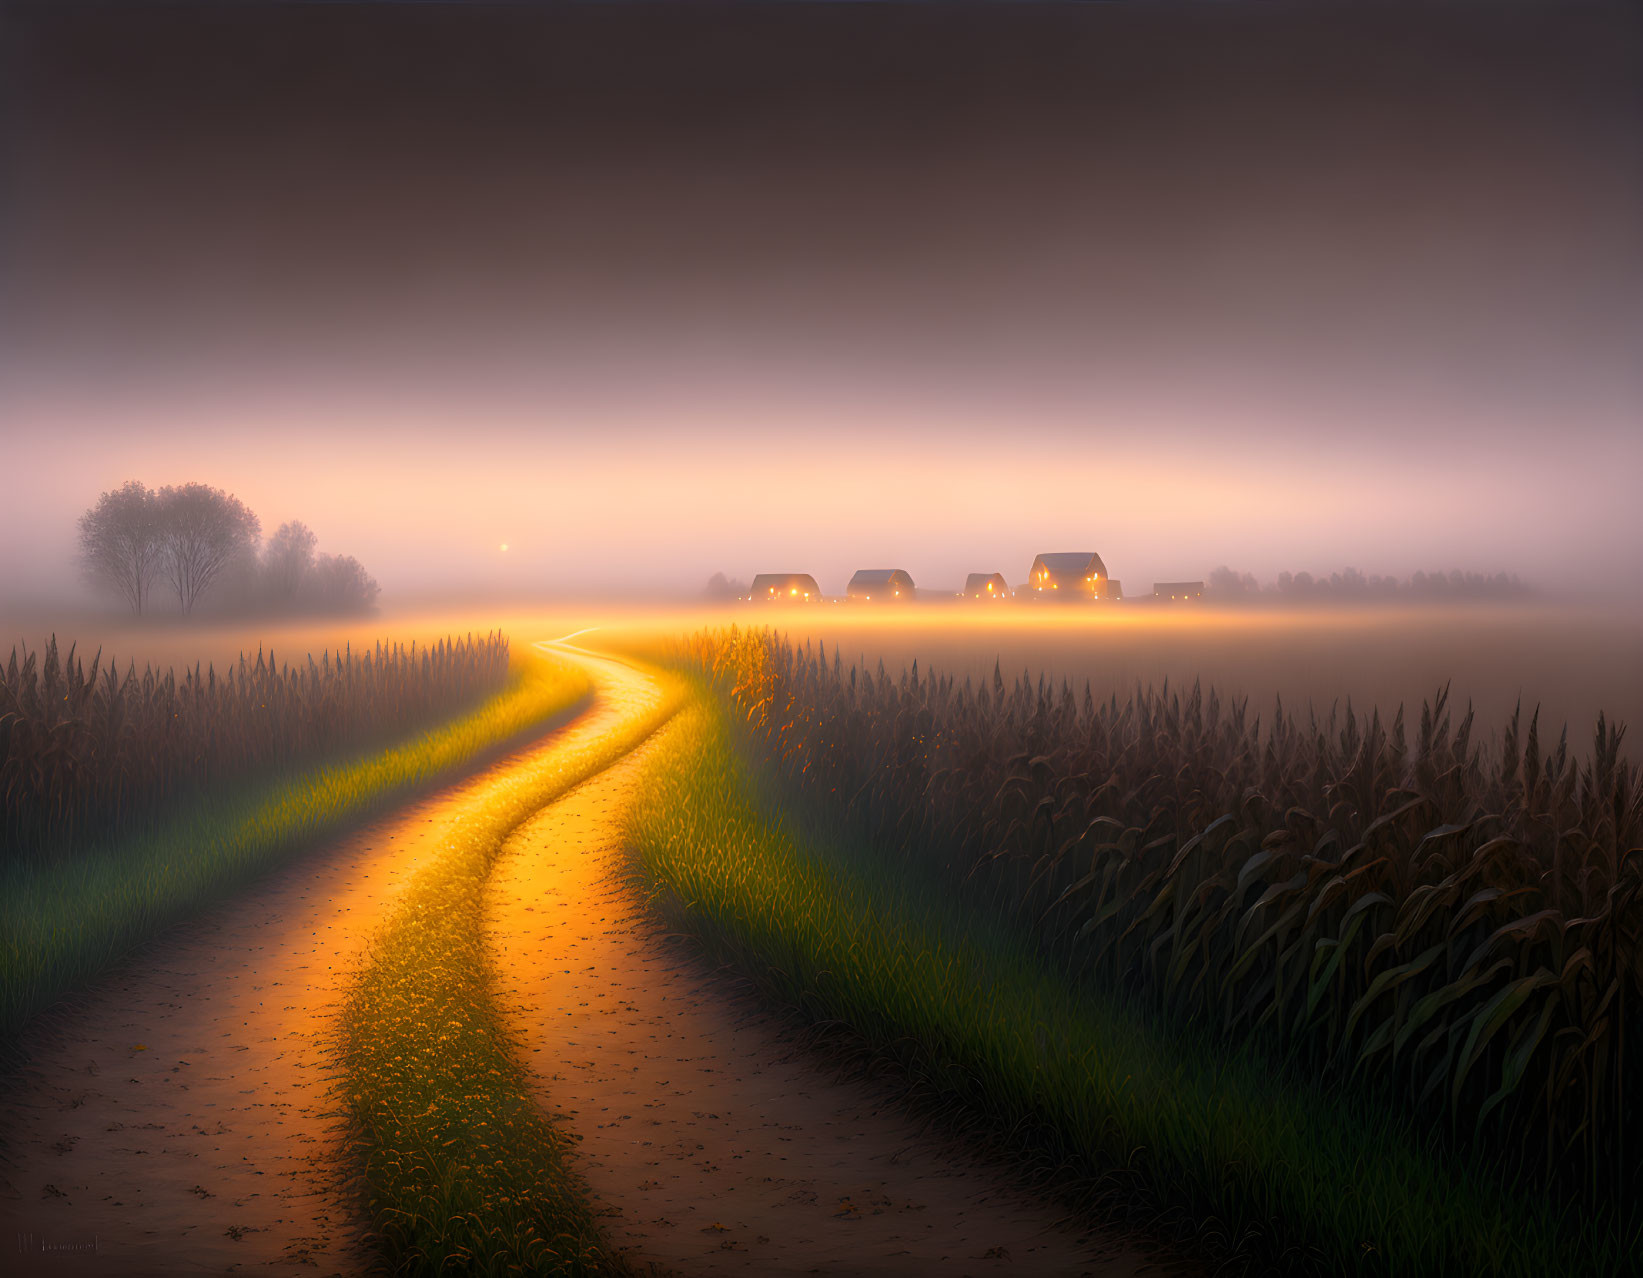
463, 1172
63, 923
1209, 1143
1453, 928
86, 751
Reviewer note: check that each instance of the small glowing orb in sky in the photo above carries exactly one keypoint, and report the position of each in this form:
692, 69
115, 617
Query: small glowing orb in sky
504, 546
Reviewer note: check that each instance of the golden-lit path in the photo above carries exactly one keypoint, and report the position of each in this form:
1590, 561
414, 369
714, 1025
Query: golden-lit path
181, 1115
712, 1145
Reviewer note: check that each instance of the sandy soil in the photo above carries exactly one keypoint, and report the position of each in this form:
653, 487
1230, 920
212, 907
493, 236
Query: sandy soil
178, 1120
713, 1147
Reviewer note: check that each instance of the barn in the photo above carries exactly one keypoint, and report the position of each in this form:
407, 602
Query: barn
986, 585
882, 584
785, 587
1072, 574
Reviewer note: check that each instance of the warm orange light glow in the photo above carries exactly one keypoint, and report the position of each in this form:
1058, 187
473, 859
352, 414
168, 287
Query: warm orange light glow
504, 547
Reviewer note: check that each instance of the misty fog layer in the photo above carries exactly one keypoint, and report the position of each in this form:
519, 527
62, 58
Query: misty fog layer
1570, 665
645, 294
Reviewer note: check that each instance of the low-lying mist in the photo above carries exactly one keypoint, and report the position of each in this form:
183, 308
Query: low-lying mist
1571, 661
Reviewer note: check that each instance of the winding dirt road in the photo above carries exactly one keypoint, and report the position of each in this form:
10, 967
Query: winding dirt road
180, 1119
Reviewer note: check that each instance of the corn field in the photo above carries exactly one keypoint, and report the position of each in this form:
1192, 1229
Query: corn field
85, 750
1447, 925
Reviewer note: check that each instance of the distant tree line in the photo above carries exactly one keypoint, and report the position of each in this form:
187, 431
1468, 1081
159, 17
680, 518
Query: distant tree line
1349, 584
196, 543
720, 586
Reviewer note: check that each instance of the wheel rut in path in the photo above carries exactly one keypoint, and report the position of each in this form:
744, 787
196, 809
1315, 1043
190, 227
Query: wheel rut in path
180, 1117
713, 1146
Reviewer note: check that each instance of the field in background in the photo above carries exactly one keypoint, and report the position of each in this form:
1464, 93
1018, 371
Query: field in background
1576, 662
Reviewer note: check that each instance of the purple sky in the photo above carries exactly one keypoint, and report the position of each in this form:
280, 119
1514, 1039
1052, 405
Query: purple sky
650, 294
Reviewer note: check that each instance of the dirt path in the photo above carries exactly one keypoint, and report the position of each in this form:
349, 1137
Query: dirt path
713, 1147
179, 1120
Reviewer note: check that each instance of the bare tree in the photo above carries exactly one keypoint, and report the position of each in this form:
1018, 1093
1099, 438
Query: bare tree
288, 560
202, 529
120, 542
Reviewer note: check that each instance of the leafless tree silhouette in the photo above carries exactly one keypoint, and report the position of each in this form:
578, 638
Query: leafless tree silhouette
120, 542
203, 530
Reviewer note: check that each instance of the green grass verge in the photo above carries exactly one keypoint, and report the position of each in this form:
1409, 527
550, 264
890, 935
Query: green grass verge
1213, 1147
463, 1172
64, 924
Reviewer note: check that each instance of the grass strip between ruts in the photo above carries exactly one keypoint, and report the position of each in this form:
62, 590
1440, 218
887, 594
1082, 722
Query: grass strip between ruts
463, 1172
63, 924
1248, 1168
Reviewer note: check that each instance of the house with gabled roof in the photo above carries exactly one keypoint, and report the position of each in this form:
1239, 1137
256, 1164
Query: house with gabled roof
1068, 574
986, 585
884, 585
784, 587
